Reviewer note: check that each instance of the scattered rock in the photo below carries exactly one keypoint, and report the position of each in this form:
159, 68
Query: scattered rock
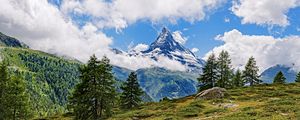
229, 105
213, 93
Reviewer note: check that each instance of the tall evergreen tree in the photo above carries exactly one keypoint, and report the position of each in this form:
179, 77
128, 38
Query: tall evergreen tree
4, 78
250, 74
14, 100
224, 70
94, 97
298, 77
17, 103
131, 95
237, 80
279, 78
209, 76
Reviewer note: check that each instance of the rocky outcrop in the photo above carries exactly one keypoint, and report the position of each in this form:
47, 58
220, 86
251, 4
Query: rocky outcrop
212, 93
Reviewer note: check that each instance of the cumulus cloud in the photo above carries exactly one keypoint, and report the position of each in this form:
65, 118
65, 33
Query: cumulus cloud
43, 27
194, 50
264, 12
267, 50
177, 35
140, 47
48, 28
138, 62
121, 13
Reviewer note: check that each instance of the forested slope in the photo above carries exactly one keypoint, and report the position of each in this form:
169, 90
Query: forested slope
49, 78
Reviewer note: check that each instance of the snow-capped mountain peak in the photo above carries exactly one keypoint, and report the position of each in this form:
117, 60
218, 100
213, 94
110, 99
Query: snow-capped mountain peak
166, 45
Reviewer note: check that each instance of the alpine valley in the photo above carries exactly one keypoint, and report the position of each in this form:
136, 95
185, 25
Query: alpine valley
50, 78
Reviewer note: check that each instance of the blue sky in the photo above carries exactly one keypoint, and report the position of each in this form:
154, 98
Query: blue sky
200, 34
266, 29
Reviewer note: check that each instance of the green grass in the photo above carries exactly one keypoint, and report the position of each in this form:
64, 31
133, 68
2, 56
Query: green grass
265, 102
262, 102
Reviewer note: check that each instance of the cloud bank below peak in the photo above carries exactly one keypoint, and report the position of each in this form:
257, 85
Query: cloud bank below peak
267, 50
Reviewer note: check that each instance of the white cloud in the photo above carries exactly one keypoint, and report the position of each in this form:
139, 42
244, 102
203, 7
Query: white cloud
264, 12
137, 62
194, 50
177, 35
267, 50
120, 13
140, 47
44, 27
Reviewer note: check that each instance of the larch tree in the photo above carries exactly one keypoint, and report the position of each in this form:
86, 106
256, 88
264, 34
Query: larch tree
18, 104
94, 97
4, 78
237, 80
224, 70
279, 78
250, 74
209, 76
131, 95
14, 99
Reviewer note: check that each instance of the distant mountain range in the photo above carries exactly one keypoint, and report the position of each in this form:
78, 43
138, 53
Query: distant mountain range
268, 75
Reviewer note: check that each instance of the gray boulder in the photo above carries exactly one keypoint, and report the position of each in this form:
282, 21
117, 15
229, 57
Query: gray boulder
212, 93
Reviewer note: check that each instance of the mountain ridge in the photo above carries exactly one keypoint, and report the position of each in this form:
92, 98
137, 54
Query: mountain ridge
166, 45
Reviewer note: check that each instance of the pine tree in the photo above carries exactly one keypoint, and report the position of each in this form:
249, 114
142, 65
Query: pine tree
209, 76
224, 70
4, 78
94, 97
14, 100
279, 78
250, 74
298, 77
237, 80
17, 99
131, 95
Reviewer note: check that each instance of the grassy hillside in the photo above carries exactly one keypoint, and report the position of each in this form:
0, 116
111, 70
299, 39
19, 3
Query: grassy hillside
259, 102
264, 102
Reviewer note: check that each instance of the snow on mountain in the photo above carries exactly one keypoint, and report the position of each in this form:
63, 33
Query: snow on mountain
167, 45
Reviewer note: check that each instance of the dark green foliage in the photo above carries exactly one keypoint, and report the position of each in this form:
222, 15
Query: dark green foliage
224, 70
18, 104
49, 79
298, 77
4, 78
14, 99
279, 78
131, 95
94, 97
209, 76
237, 80
250, 74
